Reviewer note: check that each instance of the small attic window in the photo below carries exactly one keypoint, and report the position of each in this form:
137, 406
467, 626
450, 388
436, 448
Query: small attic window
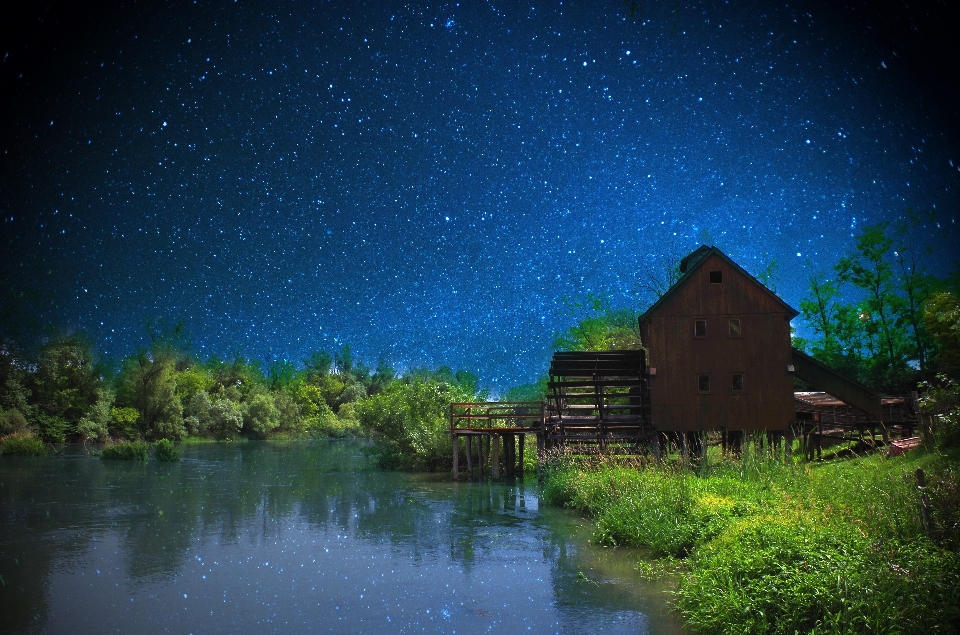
716, 277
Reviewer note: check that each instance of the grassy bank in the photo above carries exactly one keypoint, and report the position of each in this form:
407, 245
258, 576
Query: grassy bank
838, 547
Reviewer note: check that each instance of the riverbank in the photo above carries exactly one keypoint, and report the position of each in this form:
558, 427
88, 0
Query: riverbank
837, 547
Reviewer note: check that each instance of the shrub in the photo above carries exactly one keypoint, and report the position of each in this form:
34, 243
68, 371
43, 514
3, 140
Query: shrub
132, 451
260, 416
11, 421
165, 450
23, 444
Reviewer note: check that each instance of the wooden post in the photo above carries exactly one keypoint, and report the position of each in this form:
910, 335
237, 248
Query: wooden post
456, 451
521, 440
788, 445
470, 455
509, 452
495, 456
484, 452
541, 452
924, 502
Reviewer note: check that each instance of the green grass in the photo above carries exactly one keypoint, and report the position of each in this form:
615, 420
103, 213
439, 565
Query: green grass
125, 451
23, 444
165, 450
837, 547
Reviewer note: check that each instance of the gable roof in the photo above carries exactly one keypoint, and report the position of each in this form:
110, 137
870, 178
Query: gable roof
691, 264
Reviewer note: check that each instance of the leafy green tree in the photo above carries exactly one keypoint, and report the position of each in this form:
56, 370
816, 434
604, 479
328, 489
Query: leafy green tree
599, 327
942, 321
96, 423
288, 412
226, 419
408, 421
123, 422
915, 285
319, 363
869, 269
260, 416
64, 385
148, 383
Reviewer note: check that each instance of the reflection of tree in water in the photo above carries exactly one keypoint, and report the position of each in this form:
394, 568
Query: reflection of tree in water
162, 514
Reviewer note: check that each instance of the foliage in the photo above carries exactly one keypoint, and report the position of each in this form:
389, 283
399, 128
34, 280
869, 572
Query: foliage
22, 443
226, 419
96, 423
770, 548
260, 416
940, 405
64, 385
408, 421
883, 338
123, 422
599, 327
942, 320
11, 422
165, 450
148, 383
125, 451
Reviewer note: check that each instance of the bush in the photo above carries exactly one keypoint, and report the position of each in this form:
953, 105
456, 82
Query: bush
165, 450
11, 421
132, 451
23, 444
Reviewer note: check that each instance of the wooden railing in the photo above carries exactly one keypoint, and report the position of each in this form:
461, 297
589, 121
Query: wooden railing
515, 416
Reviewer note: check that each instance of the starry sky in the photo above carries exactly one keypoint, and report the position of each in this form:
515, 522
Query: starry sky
433, 182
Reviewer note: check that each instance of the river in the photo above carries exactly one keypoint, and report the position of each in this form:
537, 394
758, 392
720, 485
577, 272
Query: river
299, 537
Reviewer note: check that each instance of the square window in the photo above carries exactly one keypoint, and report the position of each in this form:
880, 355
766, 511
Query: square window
734, 327
699, 328
737, 382
703, 381
716, 277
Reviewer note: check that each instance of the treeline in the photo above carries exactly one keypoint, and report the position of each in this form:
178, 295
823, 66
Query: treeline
59, 390
880, 316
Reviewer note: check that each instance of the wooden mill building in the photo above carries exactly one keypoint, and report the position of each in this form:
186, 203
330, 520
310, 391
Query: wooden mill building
719, 350
716, 356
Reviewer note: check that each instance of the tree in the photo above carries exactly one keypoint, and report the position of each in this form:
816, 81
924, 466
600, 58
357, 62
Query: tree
147, 382
942, 321
599, 327
64, 385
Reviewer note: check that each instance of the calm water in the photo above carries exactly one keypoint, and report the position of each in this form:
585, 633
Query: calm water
298, 538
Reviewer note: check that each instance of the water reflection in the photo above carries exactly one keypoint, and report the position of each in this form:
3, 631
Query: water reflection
298, 537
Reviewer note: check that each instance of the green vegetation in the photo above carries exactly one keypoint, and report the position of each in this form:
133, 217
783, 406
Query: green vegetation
165, 450
770, 548
23, 444
56, 388
125, 451
880, 316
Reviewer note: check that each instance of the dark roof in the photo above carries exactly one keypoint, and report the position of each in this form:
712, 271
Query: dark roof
691, 263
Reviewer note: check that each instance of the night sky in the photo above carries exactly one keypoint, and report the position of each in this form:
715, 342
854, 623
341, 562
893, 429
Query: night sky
428, 182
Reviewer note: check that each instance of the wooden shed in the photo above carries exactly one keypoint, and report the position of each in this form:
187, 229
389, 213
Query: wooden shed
719, 350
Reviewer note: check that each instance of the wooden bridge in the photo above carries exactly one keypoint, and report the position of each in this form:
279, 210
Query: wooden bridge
594, 398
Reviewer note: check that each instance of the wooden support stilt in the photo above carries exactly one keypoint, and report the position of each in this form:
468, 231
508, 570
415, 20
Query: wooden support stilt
470, 456
484, 452
456, 452
495, 456
521, 440
509, 455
